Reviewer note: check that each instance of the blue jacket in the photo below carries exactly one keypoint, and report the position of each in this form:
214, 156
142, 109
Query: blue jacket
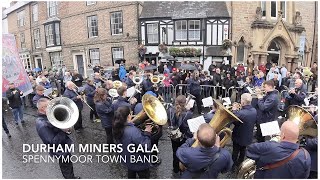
73, 96
46, 85
298, 98
147, 85
312, 148
257, 81
105, 112
36, 98
271, 152
243, 132
90, 91
133, 135
174, 121
209, 116
267, 107
51, 135
137, 108
121, 102
122, 73
195, 159
193, 86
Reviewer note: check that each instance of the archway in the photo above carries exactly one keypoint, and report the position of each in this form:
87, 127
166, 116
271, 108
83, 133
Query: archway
277, 49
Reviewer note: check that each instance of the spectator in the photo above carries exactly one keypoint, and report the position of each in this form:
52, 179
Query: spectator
283, 71
14, 96
262, 67
240, 69
258, 79
67, 77
45, 83
212, 69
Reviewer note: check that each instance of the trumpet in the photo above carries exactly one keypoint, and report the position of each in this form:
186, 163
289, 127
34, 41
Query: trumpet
258, 91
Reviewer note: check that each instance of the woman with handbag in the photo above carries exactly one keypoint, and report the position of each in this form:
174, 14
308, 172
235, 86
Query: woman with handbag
178, 127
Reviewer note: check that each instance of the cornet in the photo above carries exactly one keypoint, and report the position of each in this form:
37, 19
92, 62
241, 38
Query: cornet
113, 93
117, 84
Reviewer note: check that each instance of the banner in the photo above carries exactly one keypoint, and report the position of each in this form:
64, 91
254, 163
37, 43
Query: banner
12, 67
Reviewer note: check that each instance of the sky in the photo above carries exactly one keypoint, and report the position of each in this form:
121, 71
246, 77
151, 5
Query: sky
5, 3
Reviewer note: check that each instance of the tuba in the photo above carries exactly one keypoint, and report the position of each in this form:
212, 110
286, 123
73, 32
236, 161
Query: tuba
153, 110
307, 127
62, 112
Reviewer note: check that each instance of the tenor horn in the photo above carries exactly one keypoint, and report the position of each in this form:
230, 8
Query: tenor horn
153, 110
307, 127
62, 112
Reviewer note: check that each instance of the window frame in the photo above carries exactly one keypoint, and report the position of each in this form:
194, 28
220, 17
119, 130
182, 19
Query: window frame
285, 9
90, 3
276, 2
89, 27
55, 25
52, 60
35, 14
187, 30
120, 25
153, 34
50, 6
20, 18
194, 39
37, 40
90, 55
112, 52
22, 40
264, 4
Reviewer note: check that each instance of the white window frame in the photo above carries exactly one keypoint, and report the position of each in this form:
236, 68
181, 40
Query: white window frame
276, 10
264, 4
49, 34
89, 3
153, 33
285, 9
118, 25
93, 31
20, 20
52, 8
181, 31
94, 56
194, 31
56, 59
22, 40
36, 35
35, 12
117, 53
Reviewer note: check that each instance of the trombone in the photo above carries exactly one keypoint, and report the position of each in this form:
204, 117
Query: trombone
76, 89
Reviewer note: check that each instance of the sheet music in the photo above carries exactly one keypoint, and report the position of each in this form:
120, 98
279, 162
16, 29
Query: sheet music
130, 91
195, 123
306, 101
207, 102
241, 83
270, 128
190, 103
226, 101
250, 90
47, 91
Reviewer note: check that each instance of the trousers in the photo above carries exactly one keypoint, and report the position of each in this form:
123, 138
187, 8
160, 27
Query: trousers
238, 153
109, 135
144, 174
66, 169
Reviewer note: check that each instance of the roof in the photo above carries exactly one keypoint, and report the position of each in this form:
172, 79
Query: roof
216, 51
184, 9
16, 6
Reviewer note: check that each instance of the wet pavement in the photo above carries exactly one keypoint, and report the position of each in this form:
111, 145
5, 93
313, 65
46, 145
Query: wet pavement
14, 167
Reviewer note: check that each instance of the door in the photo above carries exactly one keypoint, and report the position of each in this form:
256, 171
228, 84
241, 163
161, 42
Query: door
38, 63
80, 64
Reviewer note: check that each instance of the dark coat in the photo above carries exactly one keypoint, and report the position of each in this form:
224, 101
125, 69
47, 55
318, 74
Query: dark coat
228, 83
174, 121
73, 96
129, 83
121, 102
77, 79
14, 99
207, 117
133, 135
267, 107
271, 152
90, 91
198, 158
105, 112
298, 98
51, 135
243, 132
217, 81
194, 87
312, 148
147, 85
36, 98
137, 108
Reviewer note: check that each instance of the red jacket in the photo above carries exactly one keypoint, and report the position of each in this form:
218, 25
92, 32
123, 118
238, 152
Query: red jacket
263, 68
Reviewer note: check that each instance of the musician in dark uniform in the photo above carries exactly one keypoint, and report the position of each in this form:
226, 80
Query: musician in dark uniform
281, 160
51, 135
90, 90
207, 160
104, 109
242, 134
39, 94
297, 95
122, 99
147, 85
71, 94
194, 88
126, 133
267, 106
177, 118
129, 80
311, 144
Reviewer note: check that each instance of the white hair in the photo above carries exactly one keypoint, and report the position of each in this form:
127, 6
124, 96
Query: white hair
246, 99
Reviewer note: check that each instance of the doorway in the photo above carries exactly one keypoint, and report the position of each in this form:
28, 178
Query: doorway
274, 53
38, 63
80, 64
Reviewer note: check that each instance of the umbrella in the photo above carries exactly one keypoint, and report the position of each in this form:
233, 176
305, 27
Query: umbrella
188, 67
164, 60
118, 61
151, 67
37, 69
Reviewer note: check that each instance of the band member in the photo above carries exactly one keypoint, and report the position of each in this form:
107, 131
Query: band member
97, 80
122, 99
297, 94
51, 135
70, 93
14, 96
195, 89
210, 114
77, 79
129, 80
243, 132
147, 85
177, 118
107, 85
126, 133
270, 156
104, 109
207, 160
90, 90
267, 106
39, 94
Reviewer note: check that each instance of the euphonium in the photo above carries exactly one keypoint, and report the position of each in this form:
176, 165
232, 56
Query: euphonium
155, 79
307, 127
137, 79
117, 84
153, 110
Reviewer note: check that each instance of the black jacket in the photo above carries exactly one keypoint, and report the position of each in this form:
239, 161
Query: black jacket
105, 112
267, 107
77, 79
14, 99
217, 79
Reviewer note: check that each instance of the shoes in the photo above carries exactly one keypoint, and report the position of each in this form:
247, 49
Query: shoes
9, 135
98, 120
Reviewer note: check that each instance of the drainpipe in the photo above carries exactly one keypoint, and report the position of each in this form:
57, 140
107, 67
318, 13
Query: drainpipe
31, 35
314, 31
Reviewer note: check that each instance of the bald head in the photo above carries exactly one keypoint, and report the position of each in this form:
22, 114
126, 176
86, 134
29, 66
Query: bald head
206, 135
298, 83
289, 132
70, 85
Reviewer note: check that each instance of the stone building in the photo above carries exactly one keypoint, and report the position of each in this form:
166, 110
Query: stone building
76, 35
284, 32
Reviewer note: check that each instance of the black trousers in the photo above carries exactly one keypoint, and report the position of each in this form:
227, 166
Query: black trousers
109, 135
144, 174
259, 136
78, 124
93, 112
66, 169
175, 146
198, 102
313, 175
238, 153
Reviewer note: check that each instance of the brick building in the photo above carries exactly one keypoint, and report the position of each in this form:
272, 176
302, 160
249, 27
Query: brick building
77, 35
259, 29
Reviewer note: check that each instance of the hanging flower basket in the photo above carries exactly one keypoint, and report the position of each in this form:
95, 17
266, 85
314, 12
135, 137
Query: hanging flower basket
227, 43
163, 48
185, 52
